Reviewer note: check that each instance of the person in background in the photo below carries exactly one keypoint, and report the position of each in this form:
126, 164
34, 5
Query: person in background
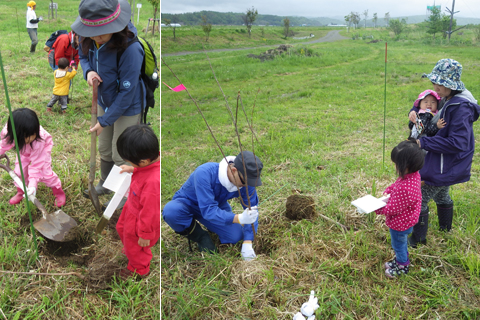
62, 83
32, 24
450, 151
65, 46
105, 31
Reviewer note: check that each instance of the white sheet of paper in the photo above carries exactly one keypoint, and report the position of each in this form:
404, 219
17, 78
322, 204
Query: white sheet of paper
369, 203
115, 180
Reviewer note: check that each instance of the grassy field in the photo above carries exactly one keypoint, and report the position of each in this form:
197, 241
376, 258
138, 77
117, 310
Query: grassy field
320, 127
98, 295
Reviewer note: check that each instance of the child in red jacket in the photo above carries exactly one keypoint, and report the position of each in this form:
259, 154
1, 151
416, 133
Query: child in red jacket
139, 223
404, 205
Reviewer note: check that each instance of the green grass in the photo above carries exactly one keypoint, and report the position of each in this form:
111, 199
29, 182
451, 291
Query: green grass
99, 296
320, 122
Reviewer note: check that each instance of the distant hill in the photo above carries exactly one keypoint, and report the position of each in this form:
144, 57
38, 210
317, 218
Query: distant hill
231, 18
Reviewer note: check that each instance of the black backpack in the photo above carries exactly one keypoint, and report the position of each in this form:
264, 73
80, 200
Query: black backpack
53, 37
149, 73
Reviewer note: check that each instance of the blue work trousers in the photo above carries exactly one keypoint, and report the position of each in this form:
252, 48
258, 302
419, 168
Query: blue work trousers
178, 214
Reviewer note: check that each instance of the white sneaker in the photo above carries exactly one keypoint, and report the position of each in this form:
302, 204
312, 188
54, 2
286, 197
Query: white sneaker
247, 252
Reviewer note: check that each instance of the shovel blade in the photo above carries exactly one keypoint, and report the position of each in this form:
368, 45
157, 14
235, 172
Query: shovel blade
95, 201
101, 225
56, 226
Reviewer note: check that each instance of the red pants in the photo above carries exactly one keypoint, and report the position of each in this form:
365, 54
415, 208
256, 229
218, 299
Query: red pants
138, 257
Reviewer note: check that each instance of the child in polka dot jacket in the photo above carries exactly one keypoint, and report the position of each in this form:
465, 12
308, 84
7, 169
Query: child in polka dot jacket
404, 204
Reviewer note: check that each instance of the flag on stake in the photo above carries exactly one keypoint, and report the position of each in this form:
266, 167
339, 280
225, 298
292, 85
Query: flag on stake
178, 88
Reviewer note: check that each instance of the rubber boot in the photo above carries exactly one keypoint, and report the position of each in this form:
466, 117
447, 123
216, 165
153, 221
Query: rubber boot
445, 217
196, 234
419, 234
60, 197
16, 198
32, 48
105, 168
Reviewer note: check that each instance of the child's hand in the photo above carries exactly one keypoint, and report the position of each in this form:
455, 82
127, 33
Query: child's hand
125, 168
143, 242
412, 116
441, 124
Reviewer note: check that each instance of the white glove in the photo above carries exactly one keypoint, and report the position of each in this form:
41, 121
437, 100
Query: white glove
248, 216
298, 316
247, 252
308, 308
31, 193
40, 18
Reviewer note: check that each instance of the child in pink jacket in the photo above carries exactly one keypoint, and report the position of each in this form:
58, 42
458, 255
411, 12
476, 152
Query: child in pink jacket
404, 204
35, 145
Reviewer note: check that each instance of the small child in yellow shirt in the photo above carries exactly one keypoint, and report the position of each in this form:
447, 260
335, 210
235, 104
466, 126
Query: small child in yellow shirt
62, 85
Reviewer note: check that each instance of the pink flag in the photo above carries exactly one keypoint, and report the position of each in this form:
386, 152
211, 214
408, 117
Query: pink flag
178, 88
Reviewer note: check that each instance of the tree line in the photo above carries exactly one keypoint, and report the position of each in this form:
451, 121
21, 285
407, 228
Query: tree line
230, 18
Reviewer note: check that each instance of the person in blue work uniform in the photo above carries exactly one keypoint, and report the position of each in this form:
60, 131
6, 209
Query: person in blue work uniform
203, 199
110, 53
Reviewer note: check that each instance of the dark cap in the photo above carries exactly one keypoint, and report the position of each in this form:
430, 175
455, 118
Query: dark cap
252, 165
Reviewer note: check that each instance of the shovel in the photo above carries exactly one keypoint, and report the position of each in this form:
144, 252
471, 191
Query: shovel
53, 226
93, 148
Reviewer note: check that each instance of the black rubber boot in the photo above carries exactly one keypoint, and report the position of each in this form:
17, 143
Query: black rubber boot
32, 48
196, 234
105, 168
445, 217
419, 234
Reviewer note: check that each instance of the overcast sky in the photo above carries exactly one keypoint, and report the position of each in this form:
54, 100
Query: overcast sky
322, 8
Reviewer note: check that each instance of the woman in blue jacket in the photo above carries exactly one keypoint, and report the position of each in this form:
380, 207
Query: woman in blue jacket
449, 153
109, 52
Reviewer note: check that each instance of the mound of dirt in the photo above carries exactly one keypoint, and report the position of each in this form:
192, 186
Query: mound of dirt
300, 207
271, 53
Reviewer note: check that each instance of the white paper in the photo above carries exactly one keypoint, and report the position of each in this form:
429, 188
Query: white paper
369, 203
115, 179
117, 197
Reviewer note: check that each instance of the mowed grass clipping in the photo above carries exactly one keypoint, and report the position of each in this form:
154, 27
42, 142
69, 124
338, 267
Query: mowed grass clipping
96, 294
320, 127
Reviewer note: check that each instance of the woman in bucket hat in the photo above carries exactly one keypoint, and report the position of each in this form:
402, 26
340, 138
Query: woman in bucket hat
105, 31
450, 151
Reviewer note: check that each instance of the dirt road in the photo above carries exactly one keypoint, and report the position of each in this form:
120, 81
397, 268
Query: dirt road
333, 35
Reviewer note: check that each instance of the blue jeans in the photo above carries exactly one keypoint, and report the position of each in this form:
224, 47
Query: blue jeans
400, 245
179, 215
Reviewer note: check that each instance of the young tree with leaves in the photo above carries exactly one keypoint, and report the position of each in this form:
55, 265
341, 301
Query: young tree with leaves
207, 27
375, 18
348, 20
387, 19
397, 26
434, 21
355, 16
365, 14
286, 27
445, 23
156, 5
248, 18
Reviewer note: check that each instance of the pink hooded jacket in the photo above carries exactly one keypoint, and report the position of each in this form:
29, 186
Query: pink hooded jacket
36, 160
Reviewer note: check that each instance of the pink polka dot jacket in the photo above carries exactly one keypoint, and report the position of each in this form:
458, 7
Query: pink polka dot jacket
403, 207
